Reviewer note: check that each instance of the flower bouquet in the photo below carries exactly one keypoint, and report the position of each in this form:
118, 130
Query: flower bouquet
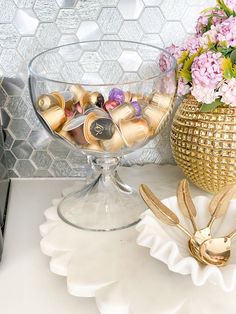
207, 60
203, 136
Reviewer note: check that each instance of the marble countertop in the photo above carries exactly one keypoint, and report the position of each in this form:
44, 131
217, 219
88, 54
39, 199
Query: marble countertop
26, 283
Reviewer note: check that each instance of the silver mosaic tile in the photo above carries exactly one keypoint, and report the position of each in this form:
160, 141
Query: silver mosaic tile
172, 9
28, 27
152, 20
66, 3
46, 10
9, 37
25, 21
24, 168
110, 20
41, 159
88, 9
7, 11
48, 35
68, 21
24, 3
19, 129
16, 107
89, 30
22, 149
58, 150
130, 10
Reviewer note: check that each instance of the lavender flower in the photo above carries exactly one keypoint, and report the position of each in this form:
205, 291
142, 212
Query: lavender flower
165, 62
231, 4
206, 70
183, 87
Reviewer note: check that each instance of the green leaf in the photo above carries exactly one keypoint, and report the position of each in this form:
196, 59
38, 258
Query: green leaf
212, 106
227, 68
186, 75
233, 56
183, 57
234, 70
225, 8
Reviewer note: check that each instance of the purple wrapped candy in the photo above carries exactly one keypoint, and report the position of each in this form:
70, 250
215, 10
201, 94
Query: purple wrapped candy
137, 107
117, 95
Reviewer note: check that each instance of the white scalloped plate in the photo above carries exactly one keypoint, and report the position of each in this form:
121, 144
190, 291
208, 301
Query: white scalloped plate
169, 245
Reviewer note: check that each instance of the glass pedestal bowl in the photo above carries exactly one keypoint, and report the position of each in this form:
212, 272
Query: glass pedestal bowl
105, 99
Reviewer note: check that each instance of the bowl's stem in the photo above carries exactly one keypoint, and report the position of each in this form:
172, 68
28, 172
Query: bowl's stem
105, 203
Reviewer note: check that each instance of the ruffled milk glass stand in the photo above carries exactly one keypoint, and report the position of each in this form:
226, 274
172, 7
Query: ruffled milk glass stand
104, 98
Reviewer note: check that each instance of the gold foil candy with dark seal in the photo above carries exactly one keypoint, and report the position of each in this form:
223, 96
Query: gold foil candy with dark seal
97, 127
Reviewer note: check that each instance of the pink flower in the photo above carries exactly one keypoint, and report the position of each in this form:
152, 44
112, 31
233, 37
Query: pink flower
209, 37
227, 31
231, 4
204, 94
183, 87
206, 70
218, 16
165, 62
228, 92
192, 44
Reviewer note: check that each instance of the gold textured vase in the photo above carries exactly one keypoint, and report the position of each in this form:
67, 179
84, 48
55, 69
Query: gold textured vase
204, 144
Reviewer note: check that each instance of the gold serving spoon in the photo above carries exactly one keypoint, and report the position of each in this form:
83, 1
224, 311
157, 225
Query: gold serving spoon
217, 250
161, 211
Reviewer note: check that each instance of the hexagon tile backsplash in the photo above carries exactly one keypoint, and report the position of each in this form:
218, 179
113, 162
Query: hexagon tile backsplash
30, 26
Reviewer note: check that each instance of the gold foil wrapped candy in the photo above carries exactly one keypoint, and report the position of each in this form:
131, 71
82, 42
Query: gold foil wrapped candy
125, 111
134, 131
97, 128
55, 117
115, 144
46, 101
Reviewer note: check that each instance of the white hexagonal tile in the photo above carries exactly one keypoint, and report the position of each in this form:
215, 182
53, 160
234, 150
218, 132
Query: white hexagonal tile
48, 35
26, 21
72, 72
172, 9
10, 60
90, 61
68, 21
130, 60
190, 17
9, 36
91, 78
107, 3
46, 10
66, 3
72, 52
111, 72
25, 168
204, 3
152, 2
151, 20
89, 9
130, 30
109, 50
24, 3
88, 30
7, 11
110, 20
53, 61
173, 32
25, 43
130, 9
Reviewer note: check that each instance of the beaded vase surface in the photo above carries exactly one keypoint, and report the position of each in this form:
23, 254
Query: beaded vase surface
204, 144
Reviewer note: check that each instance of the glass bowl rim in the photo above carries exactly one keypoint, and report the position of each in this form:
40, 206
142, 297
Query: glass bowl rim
172, 68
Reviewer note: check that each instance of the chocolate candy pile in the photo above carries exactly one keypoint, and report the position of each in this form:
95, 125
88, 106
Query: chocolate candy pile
84, 118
